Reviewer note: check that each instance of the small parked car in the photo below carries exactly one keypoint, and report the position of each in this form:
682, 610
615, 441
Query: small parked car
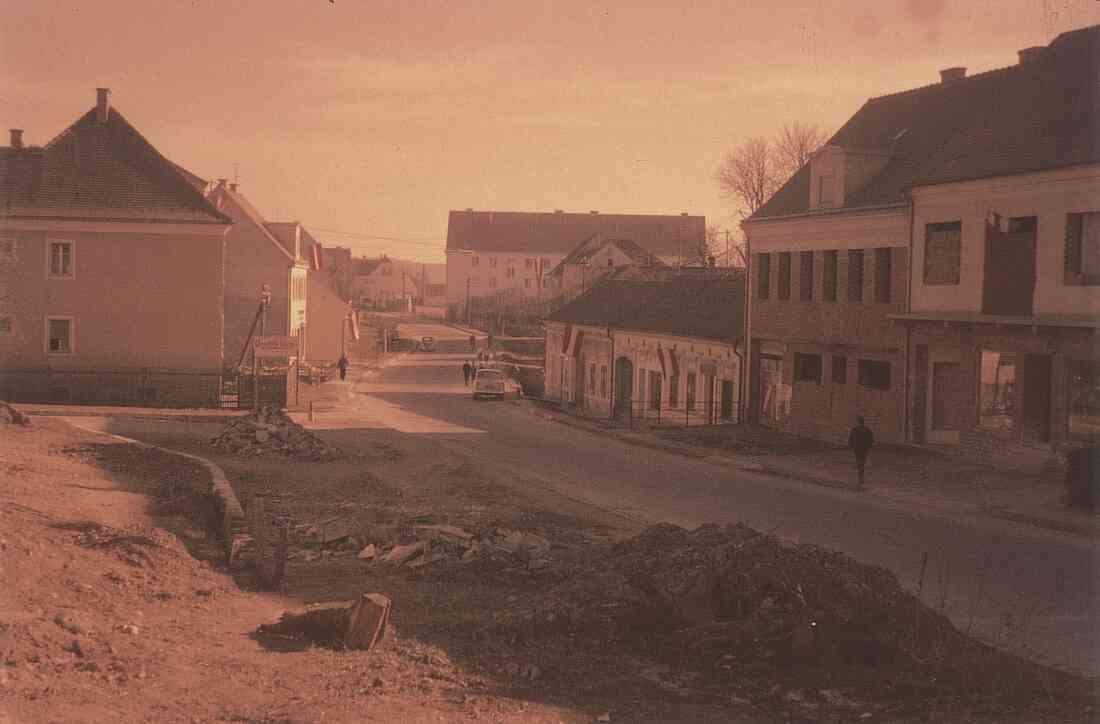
427, 344
489, 383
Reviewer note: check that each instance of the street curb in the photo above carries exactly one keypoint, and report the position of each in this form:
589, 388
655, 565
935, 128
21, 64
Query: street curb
717, 458
229, 507
131, 415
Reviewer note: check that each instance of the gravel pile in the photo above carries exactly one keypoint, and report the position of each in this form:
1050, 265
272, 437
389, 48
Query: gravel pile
271, 432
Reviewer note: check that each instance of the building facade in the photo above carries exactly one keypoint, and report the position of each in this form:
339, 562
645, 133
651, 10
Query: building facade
110, 271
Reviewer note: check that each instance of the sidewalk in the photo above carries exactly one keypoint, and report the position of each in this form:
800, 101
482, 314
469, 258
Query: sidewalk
193, 414
906, 475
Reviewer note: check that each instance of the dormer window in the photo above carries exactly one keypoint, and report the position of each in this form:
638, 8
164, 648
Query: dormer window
826, 190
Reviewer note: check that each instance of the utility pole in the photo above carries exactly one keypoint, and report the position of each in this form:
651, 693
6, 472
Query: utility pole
467, 301
265, 299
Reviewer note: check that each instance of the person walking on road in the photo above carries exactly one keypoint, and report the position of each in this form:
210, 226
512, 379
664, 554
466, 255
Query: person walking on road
860, 440
343, 365
467, 370
473, 343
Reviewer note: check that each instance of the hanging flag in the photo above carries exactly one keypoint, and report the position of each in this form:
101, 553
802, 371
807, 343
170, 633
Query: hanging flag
315, 257
353, 317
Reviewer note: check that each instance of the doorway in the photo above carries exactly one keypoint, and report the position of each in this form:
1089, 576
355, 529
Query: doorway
624, 386
727, 399
771, 377
1036, 397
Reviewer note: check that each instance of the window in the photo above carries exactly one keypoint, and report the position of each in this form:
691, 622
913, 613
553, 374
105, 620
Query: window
475, 261
1082, 255
476, 281
855, 275
807, 367
763, 275
997, 407
654, 390
784, 275
840, 370
510, 272
1084, 400
689, 393
592, 378
942, 252
603, 381
7, 249
527, 283
1023, 225
874, 374
492, 262
492, 282
641, 384
806, 276
883, 270
673, 391
7, 326
60, 259
59, 335
529, 264
828, 291
825, 184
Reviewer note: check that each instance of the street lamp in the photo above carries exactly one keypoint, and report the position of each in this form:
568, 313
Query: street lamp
265, 302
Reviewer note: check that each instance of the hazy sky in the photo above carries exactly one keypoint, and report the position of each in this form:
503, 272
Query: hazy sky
378, 117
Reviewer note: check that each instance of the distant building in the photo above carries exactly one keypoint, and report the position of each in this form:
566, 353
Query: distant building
591, 260
328, 332
508, 253
384, 281
666, 350
111, 269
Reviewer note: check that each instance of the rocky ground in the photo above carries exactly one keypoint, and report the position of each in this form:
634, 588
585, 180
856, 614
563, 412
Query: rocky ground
506, 606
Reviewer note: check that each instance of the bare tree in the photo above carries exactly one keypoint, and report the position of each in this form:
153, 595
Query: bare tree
795, 145
748, 174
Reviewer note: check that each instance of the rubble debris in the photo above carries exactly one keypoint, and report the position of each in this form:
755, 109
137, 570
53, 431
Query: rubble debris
402, 553
368, 553
447, 530
11, 416
358, 625
271, 432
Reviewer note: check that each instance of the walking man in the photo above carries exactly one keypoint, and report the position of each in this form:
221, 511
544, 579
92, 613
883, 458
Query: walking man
343, 365
467, 370
860, 440
473, 343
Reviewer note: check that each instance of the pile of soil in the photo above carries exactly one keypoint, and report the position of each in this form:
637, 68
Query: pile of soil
769, 619
271, 432
11, 416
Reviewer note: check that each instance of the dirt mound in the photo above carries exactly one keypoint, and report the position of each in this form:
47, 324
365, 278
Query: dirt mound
771, 618
271, 432
11, 416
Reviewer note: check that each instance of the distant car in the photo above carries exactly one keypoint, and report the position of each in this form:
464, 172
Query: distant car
489, 383
427, 344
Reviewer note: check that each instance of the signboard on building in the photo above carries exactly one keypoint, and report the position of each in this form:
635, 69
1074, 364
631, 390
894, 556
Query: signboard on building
276, 346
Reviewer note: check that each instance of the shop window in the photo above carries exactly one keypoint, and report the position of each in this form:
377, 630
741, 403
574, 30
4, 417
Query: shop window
806, 276
763, 276
942, 252
997, 405
689, 393
840, 370
855, 275
883, 269
673, 391
873, 374
828, 291
807, 367
1082, 253
1084, 401
784, 275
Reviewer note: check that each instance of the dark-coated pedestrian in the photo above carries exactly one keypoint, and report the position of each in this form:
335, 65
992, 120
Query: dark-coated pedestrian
343, 365
860, 441
467, 372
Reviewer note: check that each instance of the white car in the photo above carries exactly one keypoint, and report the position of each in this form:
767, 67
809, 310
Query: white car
489, 383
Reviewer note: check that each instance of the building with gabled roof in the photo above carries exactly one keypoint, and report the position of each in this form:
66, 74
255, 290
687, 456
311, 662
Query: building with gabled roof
508, 253
111, 268
592, 259
937, 227
667, 350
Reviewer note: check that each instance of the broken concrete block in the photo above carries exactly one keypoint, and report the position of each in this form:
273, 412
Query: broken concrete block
367, 621
401, 553
368, 553
447, 530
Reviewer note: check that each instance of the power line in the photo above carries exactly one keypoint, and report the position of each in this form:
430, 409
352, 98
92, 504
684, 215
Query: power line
360, 235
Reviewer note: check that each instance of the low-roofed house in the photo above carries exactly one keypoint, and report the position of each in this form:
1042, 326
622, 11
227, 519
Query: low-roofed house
669, 351
111, 269
591, 260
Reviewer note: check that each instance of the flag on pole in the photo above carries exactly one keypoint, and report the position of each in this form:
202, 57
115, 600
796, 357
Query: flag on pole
315, 257
353, 317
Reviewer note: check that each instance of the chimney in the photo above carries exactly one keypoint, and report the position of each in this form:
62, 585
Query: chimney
593, 212
468, 209
17, 138
1029, 55
950, 74
557, 211
102, 104
683, 213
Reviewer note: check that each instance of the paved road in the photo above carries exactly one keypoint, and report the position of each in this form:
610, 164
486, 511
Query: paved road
1009, 583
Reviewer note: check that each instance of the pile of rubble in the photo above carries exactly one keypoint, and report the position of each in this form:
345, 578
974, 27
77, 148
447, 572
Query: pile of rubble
270, 431
11, 416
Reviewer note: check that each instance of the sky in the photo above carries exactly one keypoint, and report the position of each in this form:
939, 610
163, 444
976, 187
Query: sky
369, 121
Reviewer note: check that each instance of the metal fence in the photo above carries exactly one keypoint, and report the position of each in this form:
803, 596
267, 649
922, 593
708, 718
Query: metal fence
630, 413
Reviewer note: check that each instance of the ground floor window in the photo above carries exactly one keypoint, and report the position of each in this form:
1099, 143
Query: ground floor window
641, 384
7, 324
1084, 400
59, 335
997, 405
807, 367
689, 394
654, 390
874, 375
673, 391
592, 378
603, 381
